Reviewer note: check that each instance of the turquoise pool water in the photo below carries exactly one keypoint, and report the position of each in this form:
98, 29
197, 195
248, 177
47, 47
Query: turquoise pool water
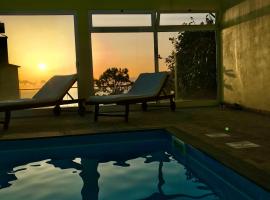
136, 165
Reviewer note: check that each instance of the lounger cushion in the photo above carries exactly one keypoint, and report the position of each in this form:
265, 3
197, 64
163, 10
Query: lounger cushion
51, 93
13, 104
147, 85
56, 88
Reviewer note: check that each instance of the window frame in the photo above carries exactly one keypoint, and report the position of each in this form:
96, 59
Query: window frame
155, 28
209, 25
54, 13
117, 29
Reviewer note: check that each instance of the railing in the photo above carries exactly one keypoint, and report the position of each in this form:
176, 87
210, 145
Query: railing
125, 88
30, 92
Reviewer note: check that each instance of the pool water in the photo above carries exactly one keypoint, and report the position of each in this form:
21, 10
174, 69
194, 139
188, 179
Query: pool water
137, 165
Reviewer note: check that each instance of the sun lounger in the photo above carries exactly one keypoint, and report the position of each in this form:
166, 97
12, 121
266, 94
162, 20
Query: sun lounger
148, 87
51, 94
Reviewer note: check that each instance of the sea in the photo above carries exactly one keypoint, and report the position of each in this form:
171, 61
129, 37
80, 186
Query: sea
29, 93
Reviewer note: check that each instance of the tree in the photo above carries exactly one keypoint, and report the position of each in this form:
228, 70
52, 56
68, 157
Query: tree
195, 56
113, 81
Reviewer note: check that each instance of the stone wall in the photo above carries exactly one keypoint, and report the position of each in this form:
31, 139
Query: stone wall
245, 42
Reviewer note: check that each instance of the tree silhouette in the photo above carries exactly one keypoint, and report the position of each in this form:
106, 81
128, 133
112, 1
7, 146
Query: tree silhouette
113, 81
195, 56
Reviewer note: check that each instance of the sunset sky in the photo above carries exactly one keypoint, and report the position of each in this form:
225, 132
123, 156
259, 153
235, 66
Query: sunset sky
45, 46
35, 41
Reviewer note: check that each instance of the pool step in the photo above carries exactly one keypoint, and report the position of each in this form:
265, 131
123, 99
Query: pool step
217, 135
242, 144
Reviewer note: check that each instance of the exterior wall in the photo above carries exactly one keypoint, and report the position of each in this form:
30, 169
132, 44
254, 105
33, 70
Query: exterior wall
245, 42
80, 9
9, 82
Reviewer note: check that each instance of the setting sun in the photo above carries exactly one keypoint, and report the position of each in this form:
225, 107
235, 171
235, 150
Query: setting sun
42, 66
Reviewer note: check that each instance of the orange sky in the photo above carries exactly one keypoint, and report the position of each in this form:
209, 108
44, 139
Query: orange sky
35, 41
134, 51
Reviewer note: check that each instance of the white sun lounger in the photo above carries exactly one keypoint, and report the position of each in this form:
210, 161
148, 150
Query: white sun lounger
51, 94
148, 87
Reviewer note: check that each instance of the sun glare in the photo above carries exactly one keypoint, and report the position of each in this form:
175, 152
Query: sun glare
42, 66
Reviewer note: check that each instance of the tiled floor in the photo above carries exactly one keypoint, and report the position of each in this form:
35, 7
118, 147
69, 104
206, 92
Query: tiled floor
190, 125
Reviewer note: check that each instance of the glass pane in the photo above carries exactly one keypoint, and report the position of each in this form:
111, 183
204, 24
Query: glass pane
43, 46
121, 20
134, 51
195, 65
166, 51
187, 18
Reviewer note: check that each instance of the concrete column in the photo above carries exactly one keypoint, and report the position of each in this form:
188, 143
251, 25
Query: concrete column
83, 55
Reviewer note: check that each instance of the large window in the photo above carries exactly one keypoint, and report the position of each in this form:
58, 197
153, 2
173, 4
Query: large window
195, 65
131, 51
181, 43
123, 50
43, 46
166, 49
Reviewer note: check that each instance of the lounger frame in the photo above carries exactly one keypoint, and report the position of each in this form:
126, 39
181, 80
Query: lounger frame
56, 110
160, 96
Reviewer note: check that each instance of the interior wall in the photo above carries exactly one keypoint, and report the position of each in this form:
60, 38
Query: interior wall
245, 42
81, 8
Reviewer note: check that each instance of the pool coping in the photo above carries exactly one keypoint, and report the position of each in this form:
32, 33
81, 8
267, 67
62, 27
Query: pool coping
245, 169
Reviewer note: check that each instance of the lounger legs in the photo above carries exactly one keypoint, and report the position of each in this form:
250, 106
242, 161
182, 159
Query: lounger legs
126, 112
144, 106
57, 110
96, 112
172, 104
81, 109
6, 120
